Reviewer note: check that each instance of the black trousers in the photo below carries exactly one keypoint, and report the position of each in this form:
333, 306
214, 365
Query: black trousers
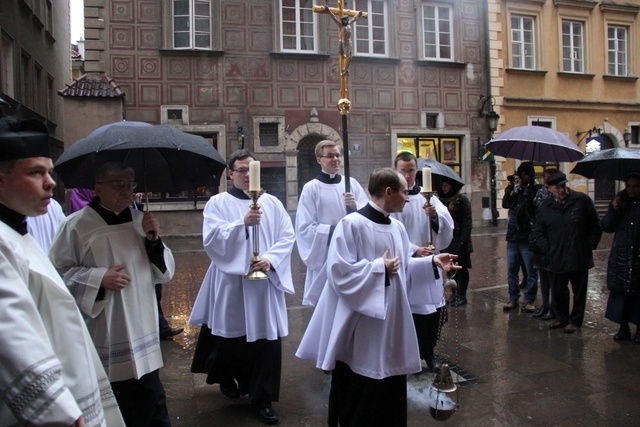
562, 297
427, 330
143, 402
358, 401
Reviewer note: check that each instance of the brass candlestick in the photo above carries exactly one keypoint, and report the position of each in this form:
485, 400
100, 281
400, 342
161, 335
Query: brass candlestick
259, 274
427, 195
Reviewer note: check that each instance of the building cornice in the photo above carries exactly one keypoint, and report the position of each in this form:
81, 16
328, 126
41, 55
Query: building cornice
576, 4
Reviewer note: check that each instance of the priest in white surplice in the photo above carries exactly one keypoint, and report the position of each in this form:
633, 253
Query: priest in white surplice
424, 225
362, 328
50, 372
243, 320
111, 256
323, 202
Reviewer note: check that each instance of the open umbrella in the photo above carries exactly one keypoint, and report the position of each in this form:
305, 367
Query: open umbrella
438, 171
535, 143
164, 158
612, 163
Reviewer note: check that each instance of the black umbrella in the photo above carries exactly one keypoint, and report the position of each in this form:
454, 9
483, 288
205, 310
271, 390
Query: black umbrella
164, 159
535, 143
612, 163
439, 171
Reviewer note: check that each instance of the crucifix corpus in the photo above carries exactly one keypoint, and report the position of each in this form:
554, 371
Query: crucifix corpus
343, 18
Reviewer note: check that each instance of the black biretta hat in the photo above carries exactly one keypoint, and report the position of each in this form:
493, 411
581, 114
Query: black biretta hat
20, 139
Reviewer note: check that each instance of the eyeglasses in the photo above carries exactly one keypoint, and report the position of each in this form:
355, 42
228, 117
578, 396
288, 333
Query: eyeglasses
241, 171
332, 156
408, 171
120, 185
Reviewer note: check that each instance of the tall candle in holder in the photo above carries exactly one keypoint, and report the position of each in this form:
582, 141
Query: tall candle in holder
426, 179
254, 175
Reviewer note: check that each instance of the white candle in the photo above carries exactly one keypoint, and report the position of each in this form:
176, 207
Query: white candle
426, 179
254, 175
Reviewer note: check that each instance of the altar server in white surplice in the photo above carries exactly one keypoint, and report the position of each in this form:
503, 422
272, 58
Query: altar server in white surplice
323, 202
242, 321
362, 328
111, 256
431, 224
50, 372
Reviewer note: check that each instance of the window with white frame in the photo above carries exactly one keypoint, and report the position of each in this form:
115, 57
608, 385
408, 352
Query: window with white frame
523, 47
191, 24
617, 50
437, 28
573, 46
371, 33
297, 26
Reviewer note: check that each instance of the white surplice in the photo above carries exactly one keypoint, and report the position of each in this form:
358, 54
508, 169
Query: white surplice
359, 320
320, 207
419, 230
230, 305
50, 372
44, 227
123, 325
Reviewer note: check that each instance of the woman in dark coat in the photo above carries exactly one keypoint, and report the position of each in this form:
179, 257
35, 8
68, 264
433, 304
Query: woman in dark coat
623, 270
460, 209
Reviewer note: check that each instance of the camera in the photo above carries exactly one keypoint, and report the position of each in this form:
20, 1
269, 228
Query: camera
511, 179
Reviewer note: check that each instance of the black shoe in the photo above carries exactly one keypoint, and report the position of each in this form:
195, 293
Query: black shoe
636, 338
540, 312
170, 333
623, 334
458, 302
549, 316
433, 364
267, 414
230, 390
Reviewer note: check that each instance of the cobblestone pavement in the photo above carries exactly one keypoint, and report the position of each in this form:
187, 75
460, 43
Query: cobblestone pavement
512, 369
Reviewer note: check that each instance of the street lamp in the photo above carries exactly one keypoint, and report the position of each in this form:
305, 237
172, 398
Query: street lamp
493, 119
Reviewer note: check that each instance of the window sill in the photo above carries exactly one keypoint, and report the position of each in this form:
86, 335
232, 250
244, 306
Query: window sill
433, 62
620, 78
586, 76
191, 52
525, 71
299, 55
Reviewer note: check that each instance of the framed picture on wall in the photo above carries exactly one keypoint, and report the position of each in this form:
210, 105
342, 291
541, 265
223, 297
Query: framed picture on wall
450, 151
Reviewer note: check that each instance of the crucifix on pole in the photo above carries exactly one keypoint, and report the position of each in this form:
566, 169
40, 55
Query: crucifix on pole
344, 18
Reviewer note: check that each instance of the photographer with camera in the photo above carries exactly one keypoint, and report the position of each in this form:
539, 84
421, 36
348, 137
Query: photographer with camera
518, 198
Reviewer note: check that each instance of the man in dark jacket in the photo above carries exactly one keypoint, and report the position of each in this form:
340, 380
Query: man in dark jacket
518, 198
567, 231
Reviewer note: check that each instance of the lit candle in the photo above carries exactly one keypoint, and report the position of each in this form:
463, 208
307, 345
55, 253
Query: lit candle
426, 179
254, 175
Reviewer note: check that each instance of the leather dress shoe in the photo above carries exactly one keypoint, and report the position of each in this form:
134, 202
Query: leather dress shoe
623, 334
433, 364
458, 302
529, 308
511, 306
636, 338
170, 333
549, 316
266, 414
230, 390
570, 328
557, 324
540, 312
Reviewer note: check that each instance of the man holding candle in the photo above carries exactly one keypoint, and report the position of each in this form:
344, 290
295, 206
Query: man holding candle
426, 225
242, 321
323, 202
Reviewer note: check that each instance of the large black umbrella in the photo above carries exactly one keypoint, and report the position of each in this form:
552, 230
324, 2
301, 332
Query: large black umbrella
612, 163
535, 143
164, 159
438, 171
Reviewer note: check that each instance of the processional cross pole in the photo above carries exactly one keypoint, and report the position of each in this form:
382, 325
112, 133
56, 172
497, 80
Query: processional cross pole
344, 18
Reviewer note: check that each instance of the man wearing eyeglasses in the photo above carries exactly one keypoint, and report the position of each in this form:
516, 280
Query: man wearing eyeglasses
111, 256
323, 202
566, 233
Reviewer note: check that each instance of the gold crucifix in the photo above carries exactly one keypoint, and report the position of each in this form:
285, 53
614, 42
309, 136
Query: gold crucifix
344, 18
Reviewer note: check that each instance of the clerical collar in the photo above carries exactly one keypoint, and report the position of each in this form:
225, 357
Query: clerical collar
238, 193
13, 219
328, 178
374, 213
109, 216
414, 190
